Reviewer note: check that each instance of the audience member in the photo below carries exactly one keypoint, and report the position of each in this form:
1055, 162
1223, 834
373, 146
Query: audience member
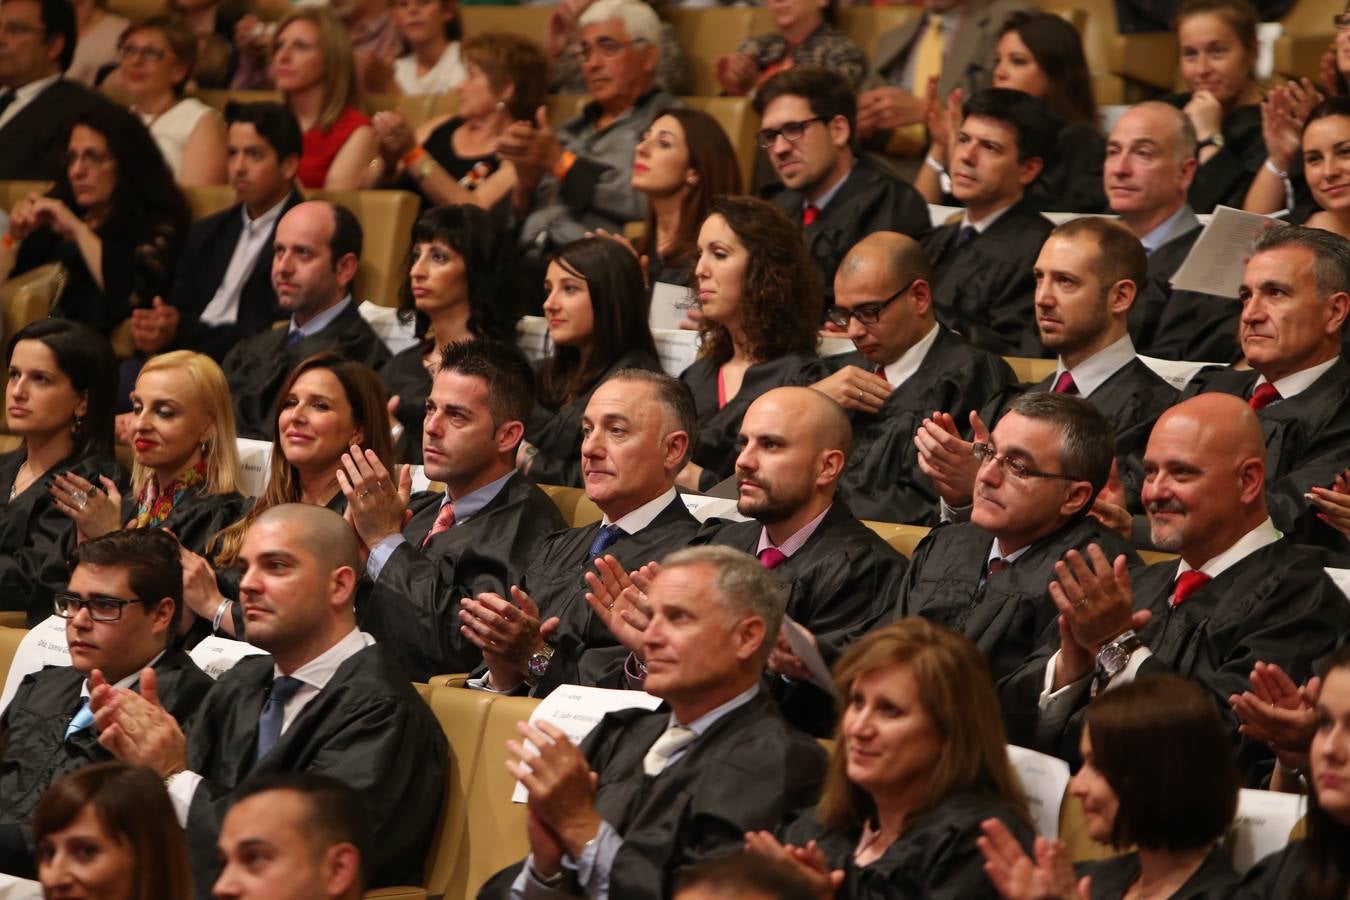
1156, 776
371, 37
109, 828
158, 56
316, 252
115, 220
455, 292
741, 876
918, 763
99, 32
597, 321
213, 22
37, 44
760, 300
122, 610
905, 367
652, 792
1335, 64
805, 36
1279, 183
479, 536
566, 65
453, 158
982, 264
432, 63
324, 686
1325, 135
222, 288
58, 401
838, 198
293, 833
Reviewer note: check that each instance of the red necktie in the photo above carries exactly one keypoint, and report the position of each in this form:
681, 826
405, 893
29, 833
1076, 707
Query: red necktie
1188, 583
1065, 384
771, 557
1264, 395
809, 214
996, 566
881, 373
444, 520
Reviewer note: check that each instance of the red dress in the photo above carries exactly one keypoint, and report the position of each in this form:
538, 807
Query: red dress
321, 147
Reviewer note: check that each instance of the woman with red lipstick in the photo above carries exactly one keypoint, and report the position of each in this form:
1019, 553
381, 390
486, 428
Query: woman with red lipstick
918, 763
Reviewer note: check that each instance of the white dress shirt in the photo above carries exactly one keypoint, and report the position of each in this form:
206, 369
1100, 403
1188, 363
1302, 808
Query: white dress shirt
224, 306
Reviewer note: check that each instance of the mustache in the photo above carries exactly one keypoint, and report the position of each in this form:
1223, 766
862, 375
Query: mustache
1158, 506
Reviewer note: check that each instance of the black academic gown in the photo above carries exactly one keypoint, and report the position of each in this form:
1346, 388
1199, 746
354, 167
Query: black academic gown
414, 606
257, 366
984, 289
1231, 170
1278, 876
1182, 325
1010, 614
749, 771
717, 445
367, 728
556, 433
1276, 605
1072, 182
34, 751
936, 857
882, 480
32, 528
407, 379
870, 199
1112, 877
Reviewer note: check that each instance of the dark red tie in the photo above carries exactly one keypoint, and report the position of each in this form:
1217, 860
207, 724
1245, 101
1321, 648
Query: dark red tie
809, 213
1188, 583
1264, 395
1065, 384
996, 566
881, 373
771, 557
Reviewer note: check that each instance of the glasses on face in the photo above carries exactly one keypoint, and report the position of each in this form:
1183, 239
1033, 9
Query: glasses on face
986, 453
19, 29
101, 609
793, 131
1341, 20
146, 52
865, 313
608, 48
88, 157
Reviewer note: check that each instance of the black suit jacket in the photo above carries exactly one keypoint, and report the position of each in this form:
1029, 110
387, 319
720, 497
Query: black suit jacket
1186, 325
1229, 172
33, 143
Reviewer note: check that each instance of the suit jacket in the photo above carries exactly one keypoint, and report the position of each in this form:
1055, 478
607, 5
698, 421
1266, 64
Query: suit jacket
210, 245
985, 290
257, 366
367, 728
414, 606
749, 771
1111, 878
1184, 325
33, 143
882, 479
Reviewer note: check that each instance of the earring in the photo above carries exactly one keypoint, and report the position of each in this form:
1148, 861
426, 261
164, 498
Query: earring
206, 445
77, 425
501, 105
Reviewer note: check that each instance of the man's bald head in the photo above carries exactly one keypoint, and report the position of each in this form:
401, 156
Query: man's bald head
320, 532
811, 414
793, 445
898, 255
884, 276
1227, 423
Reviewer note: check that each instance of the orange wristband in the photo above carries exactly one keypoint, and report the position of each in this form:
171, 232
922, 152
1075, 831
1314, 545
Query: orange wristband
564, 164
8, 240
413, 156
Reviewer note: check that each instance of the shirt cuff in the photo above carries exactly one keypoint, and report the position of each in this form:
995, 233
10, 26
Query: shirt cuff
481, 684
1049, 696
380, 553
597, 860
181, 787
947, 513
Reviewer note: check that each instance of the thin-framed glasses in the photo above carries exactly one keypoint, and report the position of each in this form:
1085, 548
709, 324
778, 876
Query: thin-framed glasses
986, 453
101, 609
793, 131
865, 313
608, 48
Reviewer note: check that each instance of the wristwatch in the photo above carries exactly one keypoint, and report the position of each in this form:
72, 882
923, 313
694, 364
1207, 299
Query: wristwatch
1214, 140
1112, 659
536, 667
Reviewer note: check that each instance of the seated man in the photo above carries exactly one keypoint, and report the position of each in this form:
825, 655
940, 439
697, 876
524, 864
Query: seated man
328, 700
637, 428
682, 783
1038, 474
905, 366
222, 289
479, 536
741, 876
807, 123
314, 260
982, 264
1241, 591
122, 609
1150, 164
293, 834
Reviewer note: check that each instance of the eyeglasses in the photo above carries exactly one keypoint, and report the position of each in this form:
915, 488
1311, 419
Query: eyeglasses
89, 158
986, 453
1341, 20
866, 313
151, 54
608, 48
19, 29
793, 131
101, 609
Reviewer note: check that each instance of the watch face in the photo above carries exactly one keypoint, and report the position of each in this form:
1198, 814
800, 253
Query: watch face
538, 664
1112, 660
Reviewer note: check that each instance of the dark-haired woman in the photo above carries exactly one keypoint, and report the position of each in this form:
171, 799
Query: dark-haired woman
115, 220
597, 319
58, 400
759, 293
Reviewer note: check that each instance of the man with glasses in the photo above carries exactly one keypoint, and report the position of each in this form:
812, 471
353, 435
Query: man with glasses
122, 608
37, 43
905, 367
808, 114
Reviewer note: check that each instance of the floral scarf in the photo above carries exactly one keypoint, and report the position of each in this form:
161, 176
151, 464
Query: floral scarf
154, 506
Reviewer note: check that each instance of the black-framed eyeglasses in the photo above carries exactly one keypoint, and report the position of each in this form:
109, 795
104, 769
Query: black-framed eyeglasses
1341, 20
986, 453
101, 609
865, 313
152, 54
608, 48
793, 131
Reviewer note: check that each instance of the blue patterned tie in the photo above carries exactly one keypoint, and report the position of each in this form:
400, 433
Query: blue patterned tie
603, 539
294, 337
274, 711
82, 720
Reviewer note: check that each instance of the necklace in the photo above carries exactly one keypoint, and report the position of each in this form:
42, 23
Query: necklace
14, 487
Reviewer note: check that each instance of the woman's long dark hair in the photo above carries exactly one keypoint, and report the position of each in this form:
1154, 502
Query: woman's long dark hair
86, 358
1326, 875
1058, 50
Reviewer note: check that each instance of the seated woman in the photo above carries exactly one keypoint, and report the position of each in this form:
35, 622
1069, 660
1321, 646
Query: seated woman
96, 41
919, 762
213, 23
111, 826
58, 400
453, 158
158, 58
806, 36
597, 319
115, 221
1157, 775
430, 30
759, 293
1041, 54
458, 266
1323, 151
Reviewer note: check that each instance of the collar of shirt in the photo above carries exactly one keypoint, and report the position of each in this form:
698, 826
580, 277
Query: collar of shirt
320, 670
1093, 371
995, 552
25, 95
1175, 225
130, 681
474, 501
1260, 536
824, 199
592, 112
701, 725
322, 320
794, 543
264, 223
643, 516
1297, 383
900, 371
983, 225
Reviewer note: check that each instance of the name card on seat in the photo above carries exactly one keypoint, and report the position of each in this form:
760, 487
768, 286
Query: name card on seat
44, 645
1262, 825
217, 655
1044, 780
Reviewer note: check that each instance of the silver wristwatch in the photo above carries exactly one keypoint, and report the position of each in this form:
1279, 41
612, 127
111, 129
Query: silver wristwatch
536, 667
1115, 656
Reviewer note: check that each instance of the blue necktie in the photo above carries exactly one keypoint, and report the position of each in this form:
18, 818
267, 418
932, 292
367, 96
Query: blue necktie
82, 720
966, 235
274, 711
603, 538
294, 337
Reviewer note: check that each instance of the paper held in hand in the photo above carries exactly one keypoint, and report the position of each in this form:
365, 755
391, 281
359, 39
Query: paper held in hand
799, 639
1218, 258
